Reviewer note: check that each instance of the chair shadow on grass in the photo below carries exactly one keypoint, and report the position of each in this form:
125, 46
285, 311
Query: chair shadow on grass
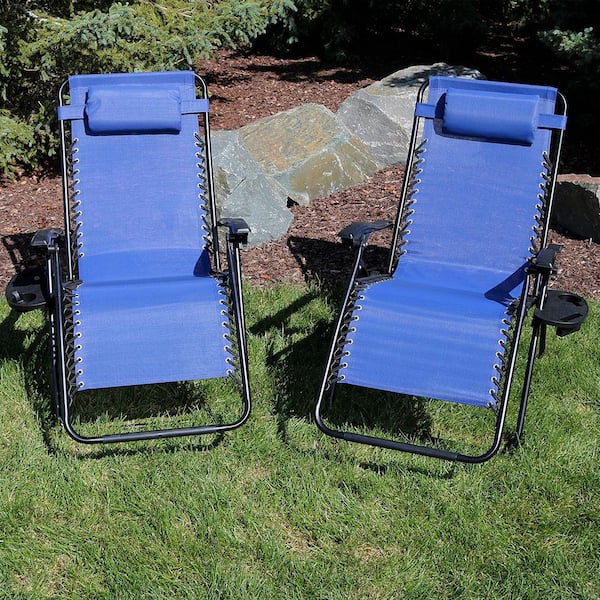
29, 345
300, 366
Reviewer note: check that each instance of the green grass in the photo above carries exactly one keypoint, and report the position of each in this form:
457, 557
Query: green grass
277, 510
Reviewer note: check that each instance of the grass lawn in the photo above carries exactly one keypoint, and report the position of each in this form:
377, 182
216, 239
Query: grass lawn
277, 510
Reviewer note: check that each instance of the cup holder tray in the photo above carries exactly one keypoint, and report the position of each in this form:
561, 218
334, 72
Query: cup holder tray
564, 310
27, 290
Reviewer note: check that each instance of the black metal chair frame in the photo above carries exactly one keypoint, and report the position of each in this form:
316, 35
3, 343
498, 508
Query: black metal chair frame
26, 292
563, 310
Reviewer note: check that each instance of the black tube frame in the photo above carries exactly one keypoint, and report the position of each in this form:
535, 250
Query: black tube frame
55, 268
538, 285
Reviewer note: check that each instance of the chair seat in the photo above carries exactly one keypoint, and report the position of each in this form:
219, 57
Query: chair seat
426, 339
144, 332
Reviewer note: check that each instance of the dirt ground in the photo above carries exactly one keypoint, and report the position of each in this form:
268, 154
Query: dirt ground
248, 87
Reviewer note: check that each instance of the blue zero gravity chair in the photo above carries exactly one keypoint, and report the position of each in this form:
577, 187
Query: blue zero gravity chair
468, 259
135, 287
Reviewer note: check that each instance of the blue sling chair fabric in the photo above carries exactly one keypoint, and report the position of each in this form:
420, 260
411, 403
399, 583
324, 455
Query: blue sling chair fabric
146, 306
436, 327
440, 316
142, 257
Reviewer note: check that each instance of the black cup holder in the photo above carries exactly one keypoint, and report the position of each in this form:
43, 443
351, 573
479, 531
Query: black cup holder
27, 290
564, 310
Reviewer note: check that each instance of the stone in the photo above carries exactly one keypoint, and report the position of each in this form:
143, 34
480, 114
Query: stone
308, 151
242, 189
381, 114
577, 206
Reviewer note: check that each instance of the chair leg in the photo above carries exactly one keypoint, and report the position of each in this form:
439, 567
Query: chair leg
542, 348
538, 334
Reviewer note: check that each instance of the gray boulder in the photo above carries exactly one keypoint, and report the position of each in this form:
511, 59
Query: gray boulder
242, 189
381, 114
308, 151
577, 206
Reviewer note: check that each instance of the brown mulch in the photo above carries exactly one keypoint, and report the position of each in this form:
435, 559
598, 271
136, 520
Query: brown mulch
248, 87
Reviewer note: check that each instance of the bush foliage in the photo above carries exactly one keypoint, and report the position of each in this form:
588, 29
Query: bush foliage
571, 29
42, 41
343, 28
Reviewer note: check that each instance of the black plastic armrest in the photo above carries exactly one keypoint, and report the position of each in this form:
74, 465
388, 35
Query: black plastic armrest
545, 260
357, 233
238, 230
46, 238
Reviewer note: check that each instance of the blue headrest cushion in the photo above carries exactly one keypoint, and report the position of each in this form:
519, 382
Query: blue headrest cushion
133, 109
492, 116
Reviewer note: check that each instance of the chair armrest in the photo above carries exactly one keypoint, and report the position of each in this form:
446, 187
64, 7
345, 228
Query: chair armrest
545, 261
357, 233
46, 238
238, 230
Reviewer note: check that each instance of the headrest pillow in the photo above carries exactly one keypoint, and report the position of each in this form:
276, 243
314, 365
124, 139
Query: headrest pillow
492, 116
133, 109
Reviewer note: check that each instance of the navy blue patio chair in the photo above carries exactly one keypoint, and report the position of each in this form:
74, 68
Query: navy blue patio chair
136, 288
468, 259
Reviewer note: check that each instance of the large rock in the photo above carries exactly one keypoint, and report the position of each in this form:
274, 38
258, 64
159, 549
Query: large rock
381, 114
308, 151
577, 206
242, 189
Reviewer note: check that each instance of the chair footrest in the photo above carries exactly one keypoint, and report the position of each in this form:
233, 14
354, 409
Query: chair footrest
27, 290
564, 310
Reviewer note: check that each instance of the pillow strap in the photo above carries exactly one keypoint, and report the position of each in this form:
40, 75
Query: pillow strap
73, 112
70, 112
545, 120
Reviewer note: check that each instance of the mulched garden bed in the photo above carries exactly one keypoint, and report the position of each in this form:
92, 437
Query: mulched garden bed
247, 87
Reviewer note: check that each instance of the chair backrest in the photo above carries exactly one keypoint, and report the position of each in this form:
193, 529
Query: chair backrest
480, 181
140, 179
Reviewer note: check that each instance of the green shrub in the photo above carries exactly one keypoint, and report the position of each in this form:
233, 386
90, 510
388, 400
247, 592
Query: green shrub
16, 144
42, 42
339, 29
569, 29
581, 48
